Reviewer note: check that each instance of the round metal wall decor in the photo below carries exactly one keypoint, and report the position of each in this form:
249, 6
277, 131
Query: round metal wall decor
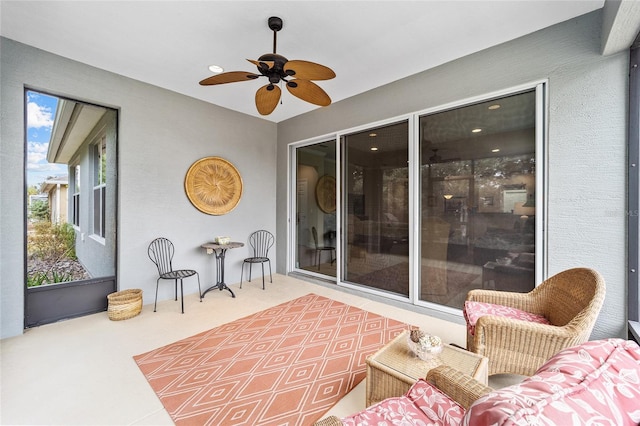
326, 193
213, 185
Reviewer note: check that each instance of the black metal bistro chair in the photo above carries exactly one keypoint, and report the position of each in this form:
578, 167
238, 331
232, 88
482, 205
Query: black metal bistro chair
161, 253
260, 242
321, 248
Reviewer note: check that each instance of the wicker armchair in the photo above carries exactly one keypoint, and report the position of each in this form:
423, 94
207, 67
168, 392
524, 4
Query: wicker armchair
458, 386
570, 301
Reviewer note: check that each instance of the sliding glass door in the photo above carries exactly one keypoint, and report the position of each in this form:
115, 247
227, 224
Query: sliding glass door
376, 208
430, 206
315, 226
478, 185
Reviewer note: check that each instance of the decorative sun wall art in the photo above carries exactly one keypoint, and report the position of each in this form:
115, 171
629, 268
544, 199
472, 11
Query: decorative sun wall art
326, 193
213, 185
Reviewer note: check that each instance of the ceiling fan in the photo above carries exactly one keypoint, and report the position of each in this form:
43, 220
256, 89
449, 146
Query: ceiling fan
437, 158
296, 75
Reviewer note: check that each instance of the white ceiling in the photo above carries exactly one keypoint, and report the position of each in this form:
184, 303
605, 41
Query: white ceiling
367, 43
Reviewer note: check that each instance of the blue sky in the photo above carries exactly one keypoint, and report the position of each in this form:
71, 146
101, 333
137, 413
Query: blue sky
41, 111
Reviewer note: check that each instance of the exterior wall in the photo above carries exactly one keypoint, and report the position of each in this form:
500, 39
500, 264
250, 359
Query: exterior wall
587, 116
96, 254
160, 134
58, 203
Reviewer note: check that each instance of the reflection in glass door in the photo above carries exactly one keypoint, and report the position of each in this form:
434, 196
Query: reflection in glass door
478, 186
315, 248
376, 208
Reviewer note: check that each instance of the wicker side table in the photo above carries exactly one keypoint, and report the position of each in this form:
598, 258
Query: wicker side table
394, 368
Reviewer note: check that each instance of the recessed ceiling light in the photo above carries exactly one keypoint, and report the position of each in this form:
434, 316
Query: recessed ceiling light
495, 150
374, 148
373, 135
215, 69
478, 130
494, 106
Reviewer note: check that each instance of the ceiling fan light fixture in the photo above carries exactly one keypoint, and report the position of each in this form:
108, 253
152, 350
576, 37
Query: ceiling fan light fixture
297, 74
216, 69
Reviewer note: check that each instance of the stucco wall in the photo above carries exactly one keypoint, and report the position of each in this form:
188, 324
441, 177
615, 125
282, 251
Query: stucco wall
586, 147
161, 133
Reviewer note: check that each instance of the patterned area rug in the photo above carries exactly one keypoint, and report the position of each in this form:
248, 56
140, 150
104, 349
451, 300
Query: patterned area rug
286, 365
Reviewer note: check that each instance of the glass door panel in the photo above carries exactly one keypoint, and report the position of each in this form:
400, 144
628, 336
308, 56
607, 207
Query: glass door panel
316, 208
376, 208
477, 178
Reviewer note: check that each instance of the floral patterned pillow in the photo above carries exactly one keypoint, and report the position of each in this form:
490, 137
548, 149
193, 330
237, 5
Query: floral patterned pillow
474, 310
424, 405
597, 382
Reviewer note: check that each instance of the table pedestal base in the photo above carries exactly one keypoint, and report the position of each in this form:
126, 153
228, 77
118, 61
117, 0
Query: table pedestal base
219, 286
219, 251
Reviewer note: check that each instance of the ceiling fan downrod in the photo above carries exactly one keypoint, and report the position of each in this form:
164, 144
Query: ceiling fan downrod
275, 24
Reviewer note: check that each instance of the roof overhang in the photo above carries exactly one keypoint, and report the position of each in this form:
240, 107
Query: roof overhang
49, 184
71, 127
620, 25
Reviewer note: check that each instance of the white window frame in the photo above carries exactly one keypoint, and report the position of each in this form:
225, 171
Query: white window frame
99, 186
75, 196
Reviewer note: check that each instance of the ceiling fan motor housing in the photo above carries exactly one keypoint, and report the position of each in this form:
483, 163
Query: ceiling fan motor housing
275, 23
276, 72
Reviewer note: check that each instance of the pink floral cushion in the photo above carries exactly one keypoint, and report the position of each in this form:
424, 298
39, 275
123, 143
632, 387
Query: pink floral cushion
597, 382
424, 404
474, 310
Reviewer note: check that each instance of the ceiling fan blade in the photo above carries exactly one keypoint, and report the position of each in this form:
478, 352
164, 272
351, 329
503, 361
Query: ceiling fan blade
308, 70
308, 91
229, 77
267, 98
259, 64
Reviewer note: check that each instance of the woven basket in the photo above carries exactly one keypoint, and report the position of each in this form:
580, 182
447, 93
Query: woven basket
124, 304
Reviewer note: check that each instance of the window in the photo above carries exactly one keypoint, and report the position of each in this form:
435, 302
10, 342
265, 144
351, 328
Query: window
99, 186
75, 198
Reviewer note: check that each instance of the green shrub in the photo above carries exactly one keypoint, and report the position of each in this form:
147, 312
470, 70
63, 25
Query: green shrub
40, 210
52, 242
37, 279
61, 277
40, 278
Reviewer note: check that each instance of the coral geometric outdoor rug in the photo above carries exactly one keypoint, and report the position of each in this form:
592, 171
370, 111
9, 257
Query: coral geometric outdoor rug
286, 365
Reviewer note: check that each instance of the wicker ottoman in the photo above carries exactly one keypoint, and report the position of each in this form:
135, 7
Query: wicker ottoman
395, 368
